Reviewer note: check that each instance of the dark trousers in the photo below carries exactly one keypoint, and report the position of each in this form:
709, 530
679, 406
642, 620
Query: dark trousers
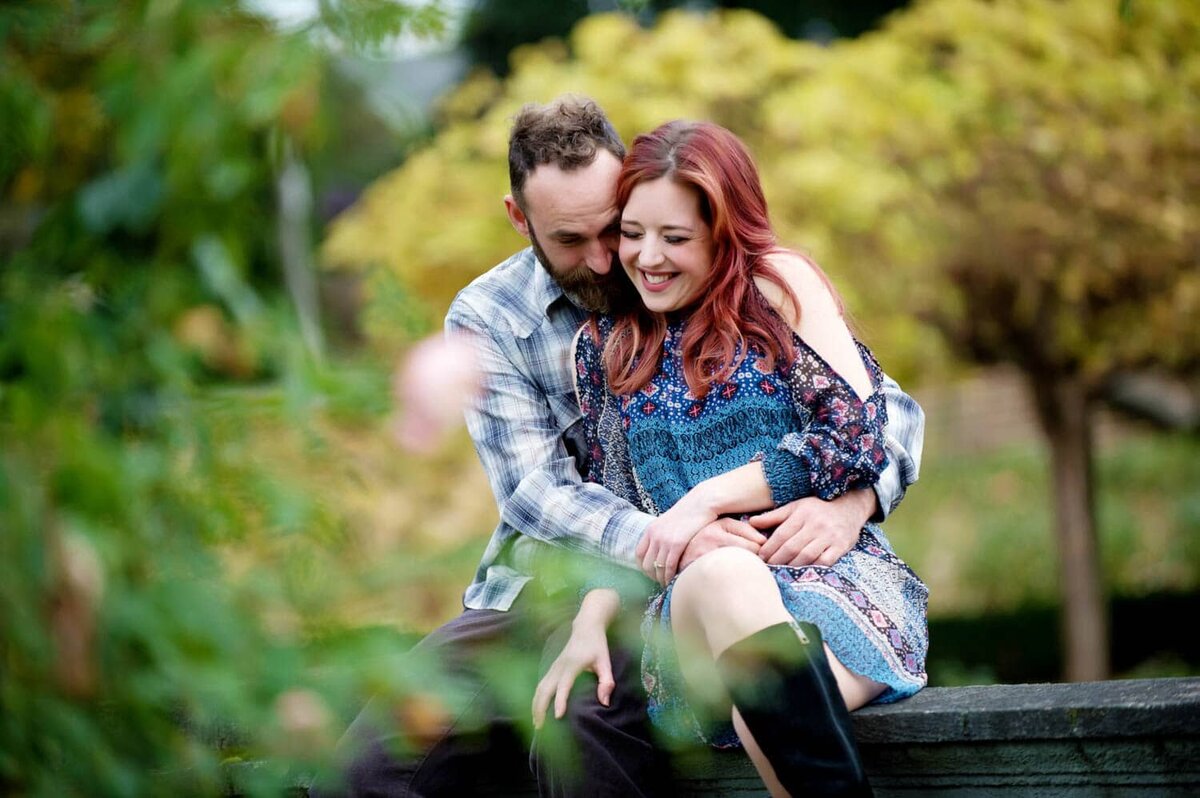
609, 750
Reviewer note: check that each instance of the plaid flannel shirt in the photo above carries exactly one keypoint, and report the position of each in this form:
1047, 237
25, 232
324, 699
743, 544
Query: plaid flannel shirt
524, 326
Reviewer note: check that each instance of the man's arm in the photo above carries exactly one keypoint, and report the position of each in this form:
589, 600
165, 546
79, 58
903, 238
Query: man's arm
519, 441
811, 531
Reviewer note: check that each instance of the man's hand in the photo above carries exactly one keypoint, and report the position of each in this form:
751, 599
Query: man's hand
812, 531
722, 532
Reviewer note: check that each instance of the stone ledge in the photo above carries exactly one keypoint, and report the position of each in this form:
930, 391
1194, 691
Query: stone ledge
1133, 708
1117, 739
1120, 738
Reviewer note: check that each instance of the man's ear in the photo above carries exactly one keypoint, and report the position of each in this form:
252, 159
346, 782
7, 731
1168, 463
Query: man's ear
516, 216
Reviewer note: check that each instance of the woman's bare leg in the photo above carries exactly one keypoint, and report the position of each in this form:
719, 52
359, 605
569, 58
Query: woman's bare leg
723, 598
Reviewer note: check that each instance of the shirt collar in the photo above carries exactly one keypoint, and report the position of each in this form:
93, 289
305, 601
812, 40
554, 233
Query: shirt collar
545, 298
545, 290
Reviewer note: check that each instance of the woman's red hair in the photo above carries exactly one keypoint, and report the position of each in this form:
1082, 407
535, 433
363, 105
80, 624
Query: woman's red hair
730, 316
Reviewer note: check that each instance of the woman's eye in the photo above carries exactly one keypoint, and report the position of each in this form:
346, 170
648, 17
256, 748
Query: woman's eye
674, 239
631, 234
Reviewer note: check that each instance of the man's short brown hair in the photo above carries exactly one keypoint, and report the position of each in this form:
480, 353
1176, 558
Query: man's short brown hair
567, 132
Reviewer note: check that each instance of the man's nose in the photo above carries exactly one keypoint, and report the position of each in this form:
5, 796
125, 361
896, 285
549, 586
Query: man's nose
598, 257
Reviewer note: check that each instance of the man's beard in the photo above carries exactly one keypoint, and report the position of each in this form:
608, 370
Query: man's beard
590, 291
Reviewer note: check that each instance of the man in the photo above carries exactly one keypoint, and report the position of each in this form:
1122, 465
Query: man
564, 159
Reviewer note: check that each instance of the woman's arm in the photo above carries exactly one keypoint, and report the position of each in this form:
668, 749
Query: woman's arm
586, 650
743, 489
842, 447
822, 327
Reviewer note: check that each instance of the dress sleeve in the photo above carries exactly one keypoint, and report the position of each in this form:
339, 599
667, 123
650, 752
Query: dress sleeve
590, 388
842, 445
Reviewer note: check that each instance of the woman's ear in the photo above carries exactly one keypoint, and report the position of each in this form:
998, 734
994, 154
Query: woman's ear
516, 216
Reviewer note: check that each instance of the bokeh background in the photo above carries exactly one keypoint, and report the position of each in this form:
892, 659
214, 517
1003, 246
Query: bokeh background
224, 224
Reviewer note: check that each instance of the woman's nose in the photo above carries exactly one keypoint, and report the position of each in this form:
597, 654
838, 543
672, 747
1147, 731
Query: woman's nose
651, 253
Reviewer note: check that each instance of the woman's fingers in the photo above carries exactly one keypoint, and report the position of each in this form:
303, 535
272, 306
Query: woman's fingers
607, 684
659, 566
541, 700
648, 565
561, 696
662, 556
671, 564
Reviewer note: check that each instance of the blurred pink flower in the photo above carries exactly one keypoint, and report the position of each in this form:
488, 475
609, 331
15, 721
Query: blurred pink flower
305, 722
432, 386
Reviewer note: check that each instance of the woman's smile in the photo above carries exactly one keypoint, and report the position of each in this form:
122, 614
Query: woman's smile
657, 281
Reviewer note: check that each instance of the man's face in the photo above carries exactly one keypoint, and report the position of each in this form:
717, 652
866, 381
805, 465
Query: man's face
572, 221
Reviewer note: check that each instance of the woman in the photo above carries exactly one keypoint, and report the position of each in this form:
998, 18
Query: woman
735, 386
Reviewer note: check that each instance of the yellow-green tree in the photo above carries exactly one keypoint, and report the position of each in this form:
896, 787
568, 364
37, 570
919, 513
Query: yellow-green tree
1022, 175
1044, 159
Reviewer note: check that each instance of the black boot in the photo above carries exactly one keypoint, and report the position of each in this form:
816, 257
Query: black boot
780, 682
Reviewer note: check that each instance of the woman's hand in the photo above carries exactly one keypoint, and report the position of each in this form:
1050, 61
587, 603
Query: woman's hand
667, 536
586, 650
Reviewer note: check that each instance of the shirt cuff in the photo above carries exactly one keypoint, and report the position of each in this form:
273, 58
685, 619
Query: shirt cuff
889, 490
622, 535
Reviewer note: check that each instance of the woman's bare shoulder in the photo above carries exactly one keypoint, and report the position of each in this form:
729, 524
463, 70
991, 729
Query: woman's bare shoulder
802, 276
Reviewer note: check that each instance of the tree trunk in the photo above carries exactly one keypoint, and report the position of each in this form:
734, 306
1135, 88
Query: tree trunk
1062, 403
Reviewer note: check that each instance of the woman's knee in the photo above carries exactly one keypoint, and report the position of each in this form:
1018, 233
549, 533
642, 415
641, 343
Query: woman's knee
722, 582
725, 596
725, 569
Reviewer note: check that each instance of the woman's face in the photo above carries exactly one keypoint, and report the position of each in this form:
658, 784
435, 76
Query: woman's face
666, 246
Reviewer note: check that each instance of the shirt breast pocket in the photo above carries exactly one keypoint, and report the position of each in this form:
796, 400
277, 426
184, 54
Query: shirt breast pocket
564, 408
570, 422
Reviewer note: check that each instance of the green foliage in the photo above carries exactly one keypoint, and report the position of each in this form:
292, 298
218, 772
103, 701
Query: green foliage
492, 29
140, 141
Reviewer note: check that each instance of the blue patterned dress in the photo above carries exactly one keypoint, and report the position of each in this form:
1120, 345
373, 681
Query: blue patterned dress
815, 437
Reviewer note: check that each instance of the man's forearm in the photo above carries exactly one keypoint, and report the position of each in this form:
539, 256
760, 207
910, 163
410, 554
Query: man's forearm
867, 501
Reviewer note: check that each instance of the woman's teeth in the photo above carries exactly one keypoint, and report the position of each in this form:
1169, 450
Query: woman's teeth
656, 279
